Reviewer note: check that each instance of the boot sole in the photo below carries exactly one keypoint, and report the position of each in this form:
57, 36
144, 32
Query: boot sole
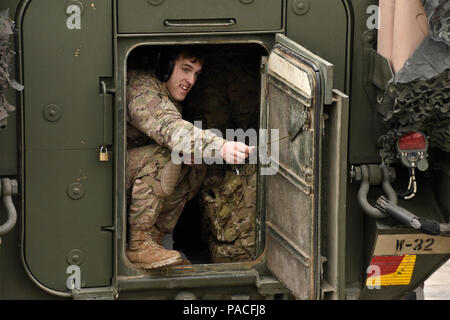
159, 264
184, 262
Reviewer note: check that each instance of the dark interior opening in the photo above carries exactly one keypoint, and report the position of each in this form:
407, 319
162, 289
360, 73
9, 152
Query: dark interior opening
225, 96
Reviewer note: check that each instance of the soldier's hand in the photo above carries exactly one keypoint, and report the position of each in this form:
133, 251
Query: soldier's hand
235, 152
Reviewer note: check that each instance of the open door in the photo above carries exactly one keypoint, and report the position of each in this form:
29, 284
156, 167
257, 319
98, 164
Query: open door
297, 85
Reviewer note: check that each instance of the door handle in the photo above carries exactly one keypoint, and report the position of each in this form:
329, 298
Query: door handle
183, 23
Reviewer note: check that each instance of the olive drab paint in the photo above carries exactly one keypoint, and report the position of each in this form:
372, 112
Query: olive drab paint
304, 76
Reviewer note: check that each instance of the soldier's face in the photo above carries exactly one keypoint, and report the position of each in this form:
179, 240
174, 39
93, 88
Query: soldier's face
183, 77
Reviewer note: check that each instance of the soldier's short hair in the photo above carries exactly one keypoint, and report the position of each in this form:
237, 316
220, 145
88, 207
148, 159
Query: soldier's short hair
192, 53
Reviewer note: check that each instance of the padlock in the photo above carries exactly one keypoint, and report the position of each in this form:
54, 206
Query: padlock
103, 153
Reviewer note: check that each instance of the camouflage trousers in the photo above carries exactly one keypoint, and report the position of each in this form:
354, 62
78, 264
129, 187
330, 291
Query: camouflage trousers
157, 189
229, 218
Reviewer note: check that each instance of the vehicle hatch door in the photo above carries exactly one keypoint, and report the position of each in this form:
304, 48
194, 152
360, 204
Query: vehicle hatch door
297, 84
66, 117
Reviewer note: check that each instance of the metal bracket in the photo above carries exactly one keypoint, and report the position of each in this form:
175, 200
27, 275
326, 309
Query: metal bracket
373, 175
7, 189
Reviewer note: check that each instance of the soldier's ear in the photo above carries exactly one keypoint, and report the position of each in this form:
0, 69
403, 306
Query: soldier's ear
164, 65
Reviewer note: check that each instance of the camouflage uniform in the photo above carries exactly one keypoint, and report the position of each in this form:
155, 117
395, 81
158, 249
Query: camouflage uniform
157, 188
230, 214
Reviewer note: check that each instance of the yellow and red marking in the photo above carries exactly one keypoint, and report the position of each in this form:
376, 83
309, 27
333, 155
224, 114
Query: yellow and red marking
390, 270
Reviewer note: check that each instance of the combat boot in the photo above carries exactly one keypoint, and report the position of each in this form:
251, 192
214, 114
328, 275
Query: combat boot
158, 237
147, 254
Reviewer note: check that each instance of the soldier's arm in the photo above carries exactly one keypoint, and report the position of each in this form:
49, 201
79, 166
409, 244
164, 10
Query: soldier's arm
157, 117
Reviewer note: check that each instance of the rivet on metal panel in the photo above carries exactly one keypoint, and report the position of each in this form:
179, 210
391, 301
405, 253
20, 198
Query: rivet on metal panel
75, 191
300, 7
369, 37
155, 2
52, 112
75, 257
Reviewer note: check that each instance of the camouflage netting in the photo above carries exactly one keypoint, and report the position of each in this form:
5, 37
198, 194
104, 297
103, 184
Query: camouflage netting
6, 30
438, 12
227, 97
420, 91
418, 105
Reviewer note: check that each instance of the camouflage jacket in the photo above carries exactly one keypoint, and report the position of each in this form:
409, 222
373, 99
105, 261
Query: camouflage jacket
154, 117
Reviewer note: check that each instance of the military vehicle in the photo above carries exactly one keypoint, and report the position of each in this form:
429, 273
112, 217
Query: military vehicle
331, 222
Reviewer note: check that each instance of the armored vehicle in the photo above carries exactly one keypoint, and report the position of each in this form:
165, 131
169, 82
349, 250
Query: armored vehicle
330, 217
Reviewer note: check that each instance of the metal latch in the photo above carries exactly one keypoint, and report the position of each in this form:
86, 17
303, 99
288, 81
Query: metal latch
7, 189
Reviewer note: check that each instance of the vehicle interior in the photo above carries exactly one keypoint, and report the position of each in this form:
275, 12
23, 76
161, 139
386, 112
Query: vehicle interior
225, 96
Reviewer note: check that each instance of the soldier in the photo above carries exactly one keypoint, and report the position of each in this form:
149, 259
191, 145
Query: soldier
157, 187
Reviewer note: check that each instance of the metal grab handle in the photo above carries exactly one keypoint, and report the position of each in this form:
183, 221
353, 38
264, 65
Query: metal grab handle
9, 187
103, 84
183, 23
364, 190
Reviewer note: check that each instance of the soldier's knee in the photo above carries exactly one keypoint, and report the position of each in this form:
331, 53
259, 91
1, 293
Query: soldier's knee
165, 181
